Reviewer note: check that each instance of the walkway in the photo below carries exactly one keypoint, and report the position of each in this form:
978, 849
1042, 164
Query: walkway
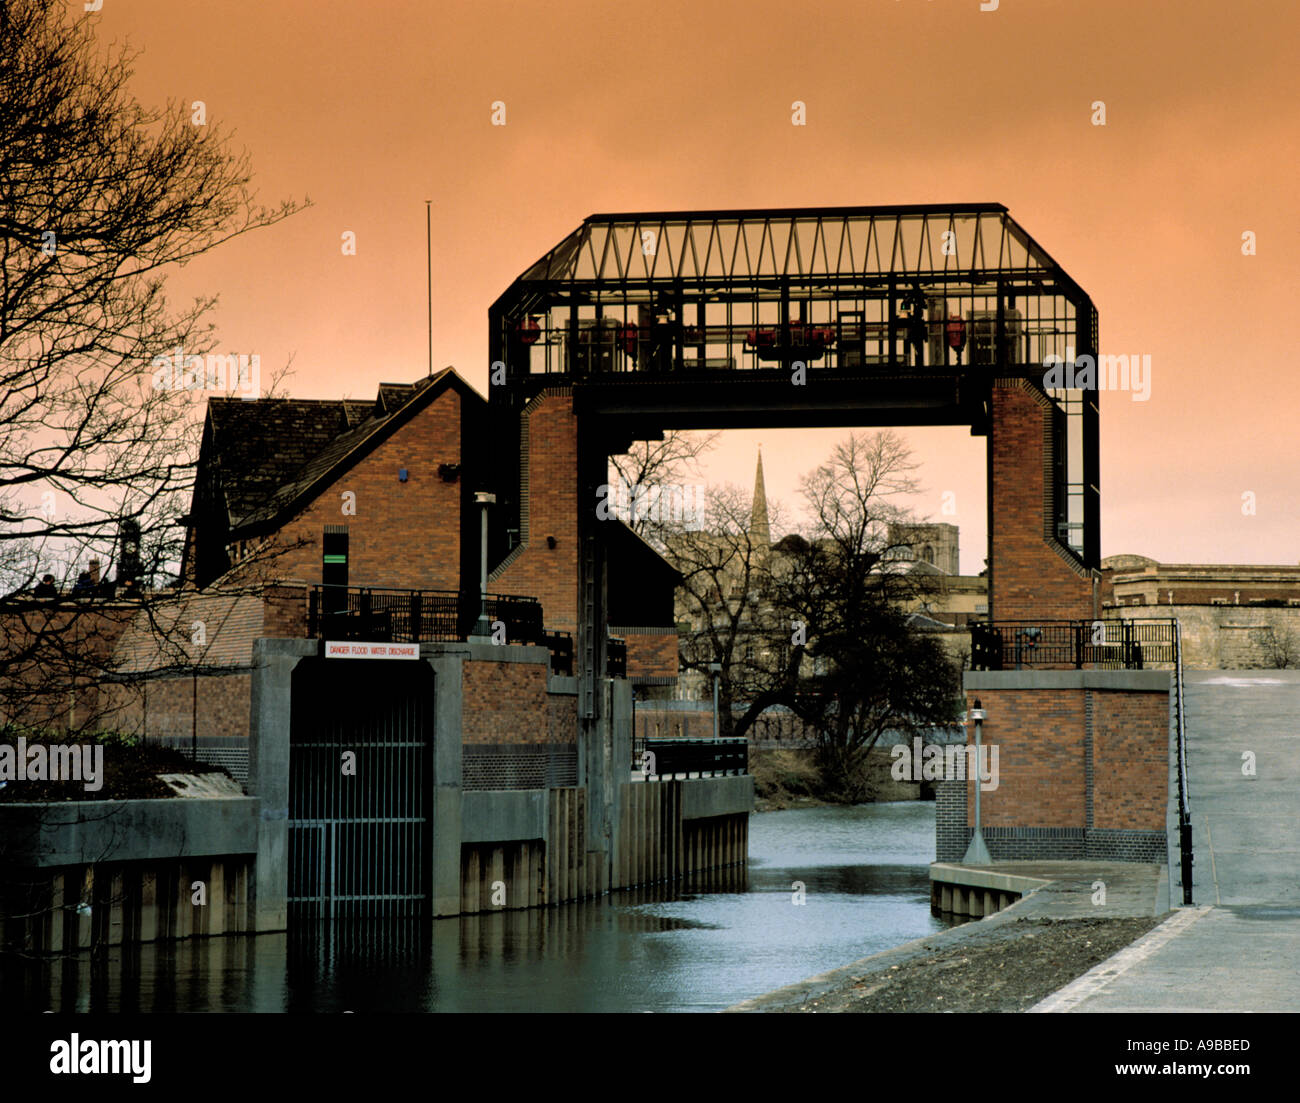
1239, 948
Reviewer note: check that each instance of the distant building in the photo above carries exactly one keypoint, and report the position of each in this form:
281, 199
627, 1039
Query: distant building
1233, 616
1137, 580
933, 544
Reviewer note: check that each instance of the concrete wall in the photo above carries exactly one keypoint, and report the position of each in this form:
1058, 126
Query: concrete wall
268, 772
62, 909
577, 833
502, 816
678, 830
491, 849
82, 832
88, 873
703, 798
1228, 637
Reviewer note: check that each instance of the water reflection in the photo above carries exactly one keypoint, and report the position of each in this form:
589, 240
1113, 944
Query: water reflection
860, 872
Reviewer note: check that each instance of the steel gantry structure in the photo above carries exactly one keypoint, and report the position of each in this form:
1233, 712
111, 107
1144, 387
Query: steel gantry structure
899, 315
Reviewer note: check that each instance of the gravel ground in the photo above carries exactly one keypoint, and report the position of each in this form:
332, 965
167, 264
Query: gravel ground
1008, 968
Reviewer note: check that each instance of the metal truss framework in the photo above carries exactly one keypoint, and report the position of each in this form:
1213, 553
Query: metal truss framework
894, 315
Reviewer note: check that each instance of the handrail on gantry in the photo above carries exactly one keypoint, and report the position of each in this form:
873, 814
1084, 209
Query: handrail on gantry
1186, 860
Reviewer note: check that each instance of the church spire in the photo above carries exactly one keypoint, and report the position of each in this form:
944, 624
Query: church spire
760, 534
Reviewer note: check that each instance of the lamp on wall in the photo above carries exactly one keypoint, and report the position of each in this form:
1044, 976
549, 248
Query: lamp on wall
550, 542
715, 669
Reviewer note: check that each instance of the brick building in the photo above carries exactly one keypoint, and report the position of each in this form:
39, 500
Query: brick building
1232, 616
1129, 580
375, 499
543, 558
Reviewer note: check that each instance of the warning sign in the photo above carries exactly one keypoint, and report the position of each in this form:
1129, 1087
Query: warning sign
354, 650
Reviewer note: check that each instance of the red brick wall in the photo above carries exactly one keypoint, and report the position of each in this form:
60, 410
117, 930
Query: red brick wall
46, 650
650, 656
1030, 577
549, 574
403, 535
1040, 739
165, 706
284, 612
1130, 759
503, 702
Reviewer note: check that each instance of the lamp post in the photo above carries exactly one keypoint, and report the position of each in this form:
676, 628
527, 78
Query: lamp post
977, 853
483, 629
716, 670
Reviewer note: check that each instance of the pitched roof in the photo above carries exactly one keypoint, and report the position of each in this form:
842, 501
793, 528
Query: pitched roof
274, 453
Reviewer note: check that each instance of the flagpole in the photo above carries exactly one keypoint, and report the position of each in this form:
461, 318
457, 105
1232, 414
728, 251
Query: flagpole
428, 255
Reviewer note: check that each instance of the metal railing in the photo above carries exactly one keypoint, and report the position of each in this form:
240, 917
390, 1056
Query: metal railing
560, 645
416, 616
1073, 644
1184, 795
665, 759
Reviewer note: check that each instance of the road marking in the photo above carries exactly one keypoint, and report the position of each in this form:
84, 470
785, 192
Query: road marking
1100, 976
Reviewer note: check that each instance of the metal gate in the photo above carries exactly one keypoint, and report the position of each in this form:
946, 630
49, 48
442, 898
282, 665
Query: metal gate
360, 789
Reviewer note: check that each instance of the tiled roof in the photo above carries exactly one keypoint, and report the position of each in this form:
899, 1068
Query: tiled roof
258, 445
271, 451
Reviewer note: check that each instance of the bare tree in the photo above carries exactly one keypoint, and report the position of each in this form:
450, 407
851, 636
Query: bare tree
649, 466
817, 622
845, 588
99, 198
725, 594
1279, 646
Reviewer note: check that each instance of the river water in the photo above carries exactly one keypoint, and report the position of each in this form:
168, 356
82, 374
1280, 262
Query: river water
861, 873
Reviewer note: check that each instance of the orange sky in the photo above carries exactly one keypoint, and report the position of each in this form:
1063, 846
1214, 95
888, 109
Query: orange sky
369, 108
